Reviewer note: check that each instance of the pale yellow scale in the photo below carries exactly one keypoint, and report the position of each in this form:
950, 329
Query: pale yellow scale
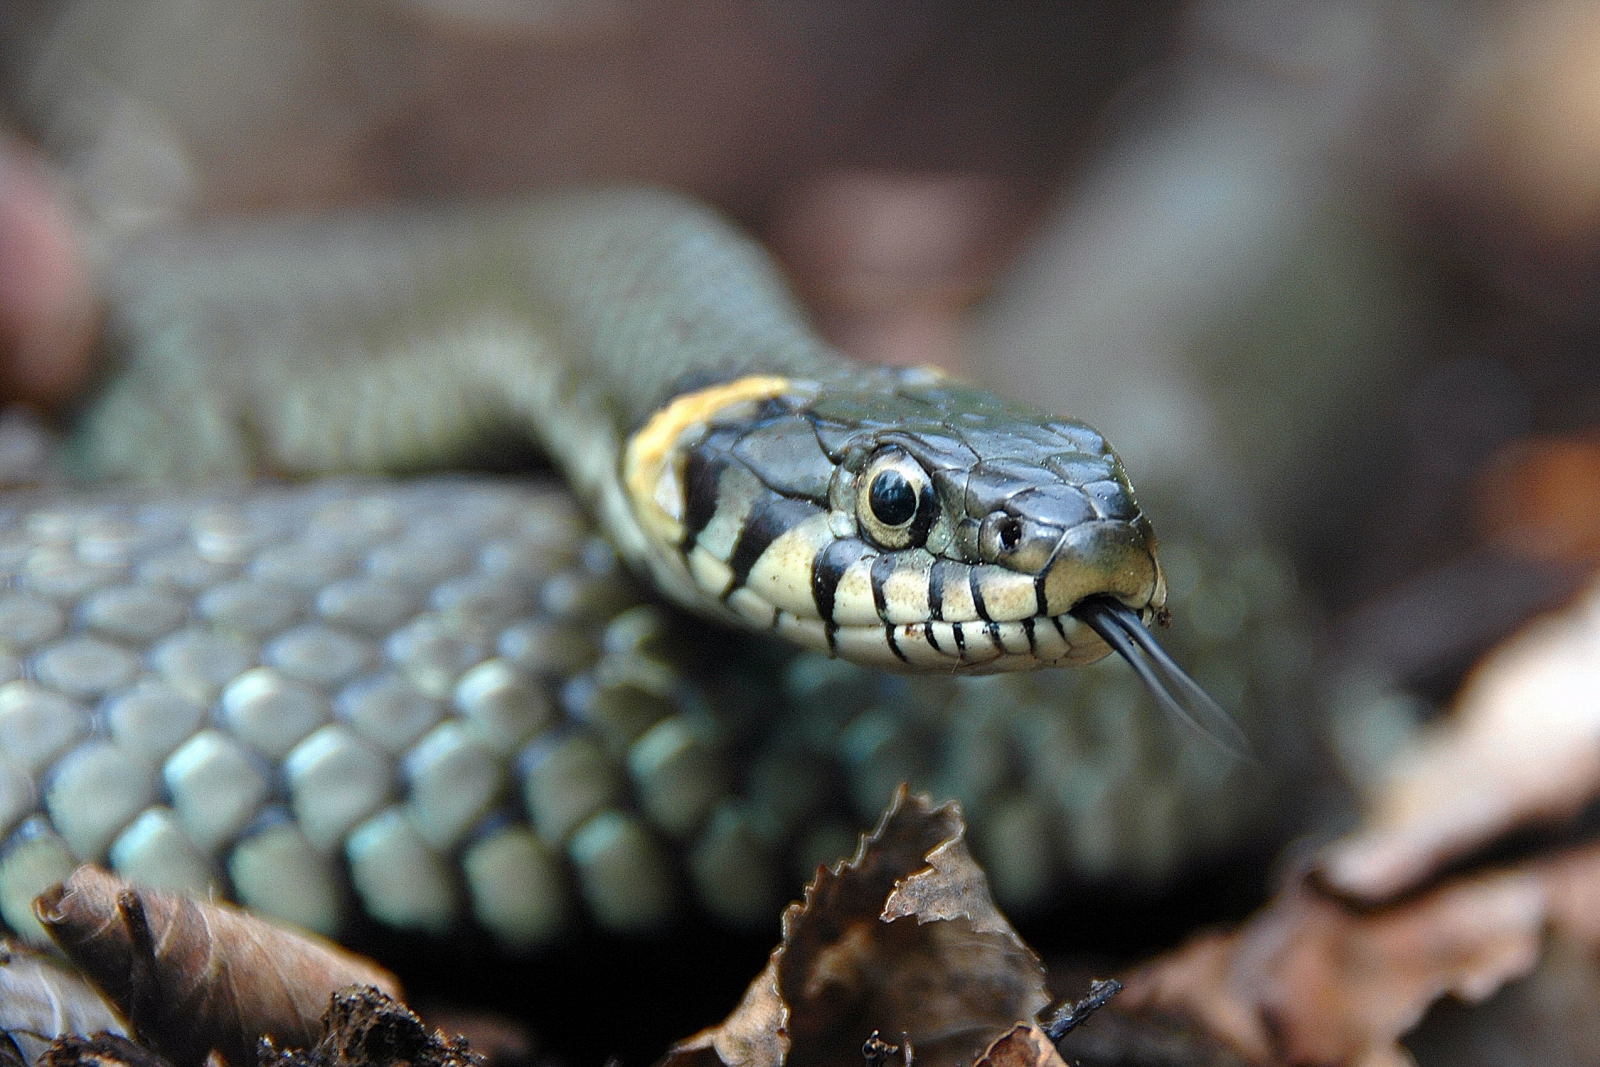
782, 576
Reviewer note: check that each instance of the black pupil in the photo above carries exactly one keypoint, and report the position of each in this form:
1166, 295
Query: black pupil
893, 500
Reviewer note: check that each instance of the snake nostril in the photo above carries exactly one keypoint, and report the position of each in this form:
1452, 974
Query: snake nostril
1009, 532
1013, 542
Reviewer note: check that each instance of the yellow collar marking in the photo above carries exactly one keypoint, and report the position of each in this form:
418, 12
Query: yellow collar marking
653, 464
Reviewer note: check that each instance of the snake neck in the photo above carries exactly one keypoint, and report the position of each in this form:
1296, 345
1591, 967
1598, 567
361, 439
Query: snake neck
656, 356
742, 464
654, 313
653, 352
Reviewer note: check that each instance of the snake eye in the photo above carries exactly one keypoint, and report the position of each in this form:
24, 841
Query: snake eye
893, 501
895, 505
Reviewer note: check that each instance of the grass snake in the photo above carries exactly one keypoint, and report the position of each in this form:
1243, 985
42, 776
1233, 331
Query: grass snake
432, 699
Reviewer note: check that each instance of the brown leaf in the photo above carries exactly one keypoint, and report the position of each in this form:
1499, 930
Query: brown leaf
40, 1001
99, 1050
1024, 1045
498, 1040
1521, 747
49, 309
194, 976
902, 939
1311, 980
1307, 980
1571, 881
1537, 498
1545, 1018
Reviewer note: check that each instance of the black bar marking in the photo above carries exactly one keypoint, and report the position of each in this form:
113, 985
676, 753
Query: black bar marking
770, 518
894, 646
701, 487
1043, 601
938, 575
961, 640
927, 633
1027, 628
827, 571
977, 594
882, 567
992, 628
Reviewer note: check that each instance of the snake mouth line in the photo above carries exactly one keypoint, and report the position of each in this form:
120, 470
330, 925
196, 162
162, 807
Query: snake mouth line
971, 647
1177, 693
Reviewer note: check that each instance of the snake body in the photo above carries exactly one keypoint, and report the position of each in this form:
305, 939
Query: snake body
654, 354
432, 699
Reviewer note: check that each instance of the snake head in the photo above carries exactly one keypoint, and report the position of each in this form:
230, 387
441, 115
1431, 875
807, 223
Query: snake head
907, 521
898, 519
1033, 514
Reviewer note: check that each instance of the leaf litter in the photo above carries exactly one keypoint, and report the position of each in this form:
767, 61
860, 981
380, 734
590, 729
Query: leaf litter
897, 955
1473, 862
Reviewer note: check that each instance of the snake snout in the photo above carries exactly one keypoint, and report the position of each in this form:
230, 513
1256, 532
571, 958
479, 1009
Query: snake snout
1022, 530
1075, 543
1103, 558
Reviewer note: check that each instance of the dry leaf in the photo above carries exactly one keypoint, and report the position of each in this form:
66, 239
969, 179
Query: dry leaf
1571, 881
99, 1050
1537, 498
1146, 1038
904, 940
1544, 1019
1522, 746
365, 1028
1313, 980
192, 976
498, 1040
1024, 1045
40, 1001
1308, 980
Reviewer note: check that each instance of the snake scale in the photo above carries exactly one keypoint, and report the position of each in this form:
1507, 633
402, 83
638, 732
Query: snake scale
446, 699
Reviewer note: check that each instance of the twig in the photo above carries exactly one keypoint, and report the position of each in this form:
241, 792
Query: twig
1069, 1017
876, 1051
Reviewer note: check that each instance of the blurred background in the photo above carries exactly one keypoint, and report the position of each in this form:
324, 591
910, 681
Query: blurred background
1347, 247
1331, 264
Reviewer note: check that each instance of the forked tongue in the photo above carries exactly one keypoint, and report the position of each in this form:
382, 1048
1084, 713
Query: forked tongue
1180, 695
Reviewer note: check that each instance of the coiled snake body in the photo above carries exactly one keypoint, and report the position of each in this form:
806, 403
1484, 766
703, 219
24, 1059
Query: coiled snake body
444, 698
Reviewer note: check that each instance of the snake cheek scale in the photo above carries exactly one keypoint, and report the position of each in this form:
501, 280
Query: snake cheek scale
438, 700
